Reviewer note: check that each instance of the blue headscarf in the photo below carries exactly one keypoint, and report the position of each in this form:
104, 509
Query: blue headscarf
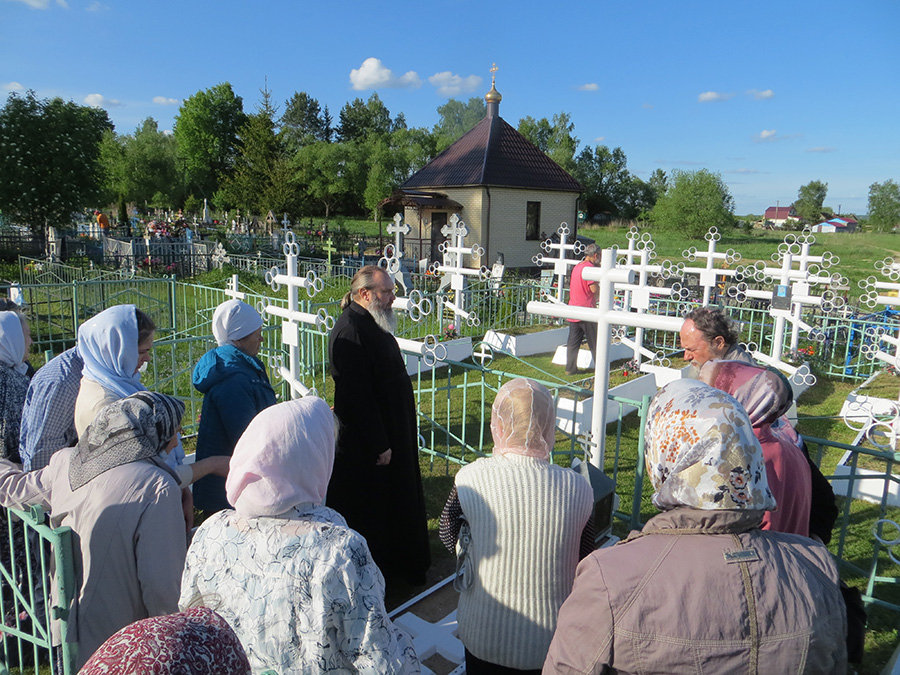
12, 342
108, 343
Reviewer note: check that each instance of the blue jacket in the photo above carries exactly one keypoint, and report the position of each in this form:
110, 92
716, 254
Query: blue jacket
235, 388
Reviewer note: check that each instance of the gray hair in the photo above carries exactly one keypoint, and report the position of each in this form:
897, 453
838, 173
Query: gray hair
591, 250
367, 278
712, 323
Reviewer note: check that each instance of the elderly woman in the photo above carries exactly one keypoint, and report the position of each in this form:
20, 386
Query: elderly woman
767, 396
235, 388
524, 529
702, 588
114, 345
298, 586
15, 343
123, 503
195, 642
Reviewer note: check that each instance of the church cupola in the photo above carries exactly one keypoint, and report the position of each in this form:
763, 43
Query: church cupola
493, 97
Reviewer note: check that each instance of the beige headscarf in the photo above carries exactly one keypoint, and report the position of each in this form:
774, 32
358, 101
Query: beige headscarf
523, 419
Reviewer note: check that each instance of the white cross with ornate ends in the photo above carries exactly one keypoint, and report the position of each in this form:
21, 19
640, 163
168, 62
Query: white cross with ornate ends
390, 261
285, 224
561, 263
708, 274
233, 288
871, 298
292, 316
607, 275
454, 252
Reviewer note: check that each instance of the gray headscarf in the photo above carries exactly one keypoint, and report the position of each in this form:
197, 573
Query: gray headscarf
137, 427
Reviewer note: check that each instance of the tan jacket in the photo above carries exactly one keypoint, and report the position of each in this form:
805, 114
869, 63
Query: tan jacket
703, 592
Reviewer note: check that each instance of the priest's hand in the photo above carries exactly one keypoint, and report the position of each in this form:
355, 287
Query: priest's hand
384, 458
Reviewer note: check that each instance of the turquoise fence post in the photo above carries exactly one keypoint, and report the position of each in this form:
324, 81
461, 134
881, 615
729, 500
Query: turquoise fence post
172, 301
639, 467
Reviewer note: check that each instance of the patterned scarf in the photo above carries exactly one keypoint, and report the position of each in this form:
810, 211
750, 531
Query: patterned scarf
700, 451
765, 394
133, 428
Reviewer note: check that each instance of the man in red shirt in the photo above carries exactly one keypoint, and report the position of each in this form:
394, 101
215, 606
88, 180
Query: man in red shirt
582, 293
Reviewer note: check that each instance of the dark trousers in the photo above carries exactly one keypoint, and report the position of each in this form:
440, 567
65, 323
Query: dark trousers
578, 331
475, 666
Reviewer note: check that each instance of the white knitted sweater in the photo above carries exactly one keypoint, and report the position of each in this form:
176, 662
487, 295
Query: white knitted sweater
526, 517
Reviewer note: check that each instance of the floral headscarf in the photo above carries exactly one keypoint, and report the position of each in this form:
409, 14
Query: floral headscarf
194, 642
700, 451
523, 419
763, 393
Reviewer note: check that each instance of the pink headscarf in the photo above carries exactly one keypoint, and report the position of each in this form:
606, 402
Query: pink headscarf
284, 458
765, 394
523, 419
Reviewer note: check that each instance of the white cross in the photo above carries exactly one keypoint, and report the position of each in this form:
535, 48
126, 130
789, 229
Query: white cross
708, 274
561, 263
393, 253
605, 316
454, 252
233, 288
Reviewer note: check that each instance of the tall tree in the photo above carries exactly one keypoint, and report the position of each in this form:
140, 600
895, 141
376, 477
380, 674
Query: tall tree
392, 159
206, 133
694, 202
810, 198
358, 119
303, 122
884, 206
150, 167
49, 159
331, 172
555, 138
604, 175
456, 118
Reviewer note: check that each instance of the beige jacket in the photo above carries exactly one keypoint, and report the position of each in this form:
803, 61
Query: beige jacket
129, 540
703, 592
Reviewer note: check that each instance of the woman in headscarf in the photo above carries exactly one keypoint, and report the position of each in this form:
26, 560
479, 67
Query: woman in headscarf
298, 586
522, 525
767, 396
702, 588
116, 492
235, 388
194, 642
114, 345
15, 343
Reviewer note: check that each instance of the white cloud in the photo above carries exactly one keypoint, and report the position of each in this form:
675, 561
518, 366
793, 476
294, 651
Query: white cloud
591, 86
743, 171
449, 84
96, 6
713, 96
373, 74
647, 106
599, 139
822, 148
43, 4
100, 101
761, 95
13, 86
766, 135
163, 100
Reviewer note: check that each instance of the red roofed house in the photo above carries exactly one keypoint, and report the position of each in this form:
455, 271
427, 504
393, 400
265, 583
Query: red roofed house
510, 194
836, 224
777, 216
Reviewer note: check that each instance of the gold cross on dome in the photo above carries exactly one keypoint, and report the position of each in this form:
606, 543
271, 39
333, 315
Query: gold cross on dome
494, 70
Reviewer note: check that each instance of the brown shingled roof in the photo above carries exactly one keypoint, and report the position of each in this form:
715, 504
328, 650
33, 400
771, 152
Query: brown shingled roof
493, 153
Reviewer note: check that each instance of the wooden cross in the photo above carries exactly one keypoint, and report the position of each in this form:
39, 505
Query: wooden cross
329, 249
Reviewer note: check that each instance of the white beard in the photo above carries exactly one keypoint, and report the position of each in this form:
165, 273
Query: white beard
384, 317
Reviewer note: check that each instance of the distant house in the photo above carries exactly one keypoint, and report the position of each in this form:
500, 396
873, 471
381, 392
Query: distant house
836, 224
777, 216
510, 194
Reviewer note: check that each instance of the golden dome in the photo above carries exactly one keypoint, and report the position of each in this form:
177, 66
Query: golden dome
493, 96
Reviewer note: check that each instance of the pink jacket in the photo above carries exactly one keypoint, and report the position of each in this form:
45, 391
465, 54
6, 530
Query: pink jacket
703, 592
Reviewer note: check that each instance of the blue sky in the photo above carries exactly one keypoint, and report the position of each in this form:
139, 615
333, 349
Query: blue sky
770, 94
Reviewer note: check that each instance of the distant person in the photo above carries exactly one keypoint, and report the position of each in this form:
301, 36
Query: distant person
377, 483
702, 589
525, 525
235, 389
582, 293
708, 334
298, 586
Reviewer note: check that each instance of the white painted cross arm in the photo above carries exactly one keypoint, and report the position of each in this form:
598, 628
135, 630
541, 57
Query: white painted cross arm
416, 305
311, 282
323, 321
430, 350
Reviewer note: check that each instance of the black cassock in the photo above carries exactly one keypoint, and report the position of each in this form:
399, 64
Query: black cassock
374, 401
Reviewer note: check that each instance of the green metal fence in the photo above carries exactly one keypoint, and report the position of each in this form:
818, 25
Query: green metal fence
33, 638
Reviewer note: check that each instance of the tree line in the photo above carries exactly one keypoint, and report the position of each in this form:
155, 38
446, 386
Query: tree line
57, 158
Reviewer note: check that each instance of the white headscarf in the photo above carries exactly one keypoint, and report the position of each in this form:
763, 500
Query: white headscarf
234, 320
523, 419
12, 342
700, 451
108, 343
283, 459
